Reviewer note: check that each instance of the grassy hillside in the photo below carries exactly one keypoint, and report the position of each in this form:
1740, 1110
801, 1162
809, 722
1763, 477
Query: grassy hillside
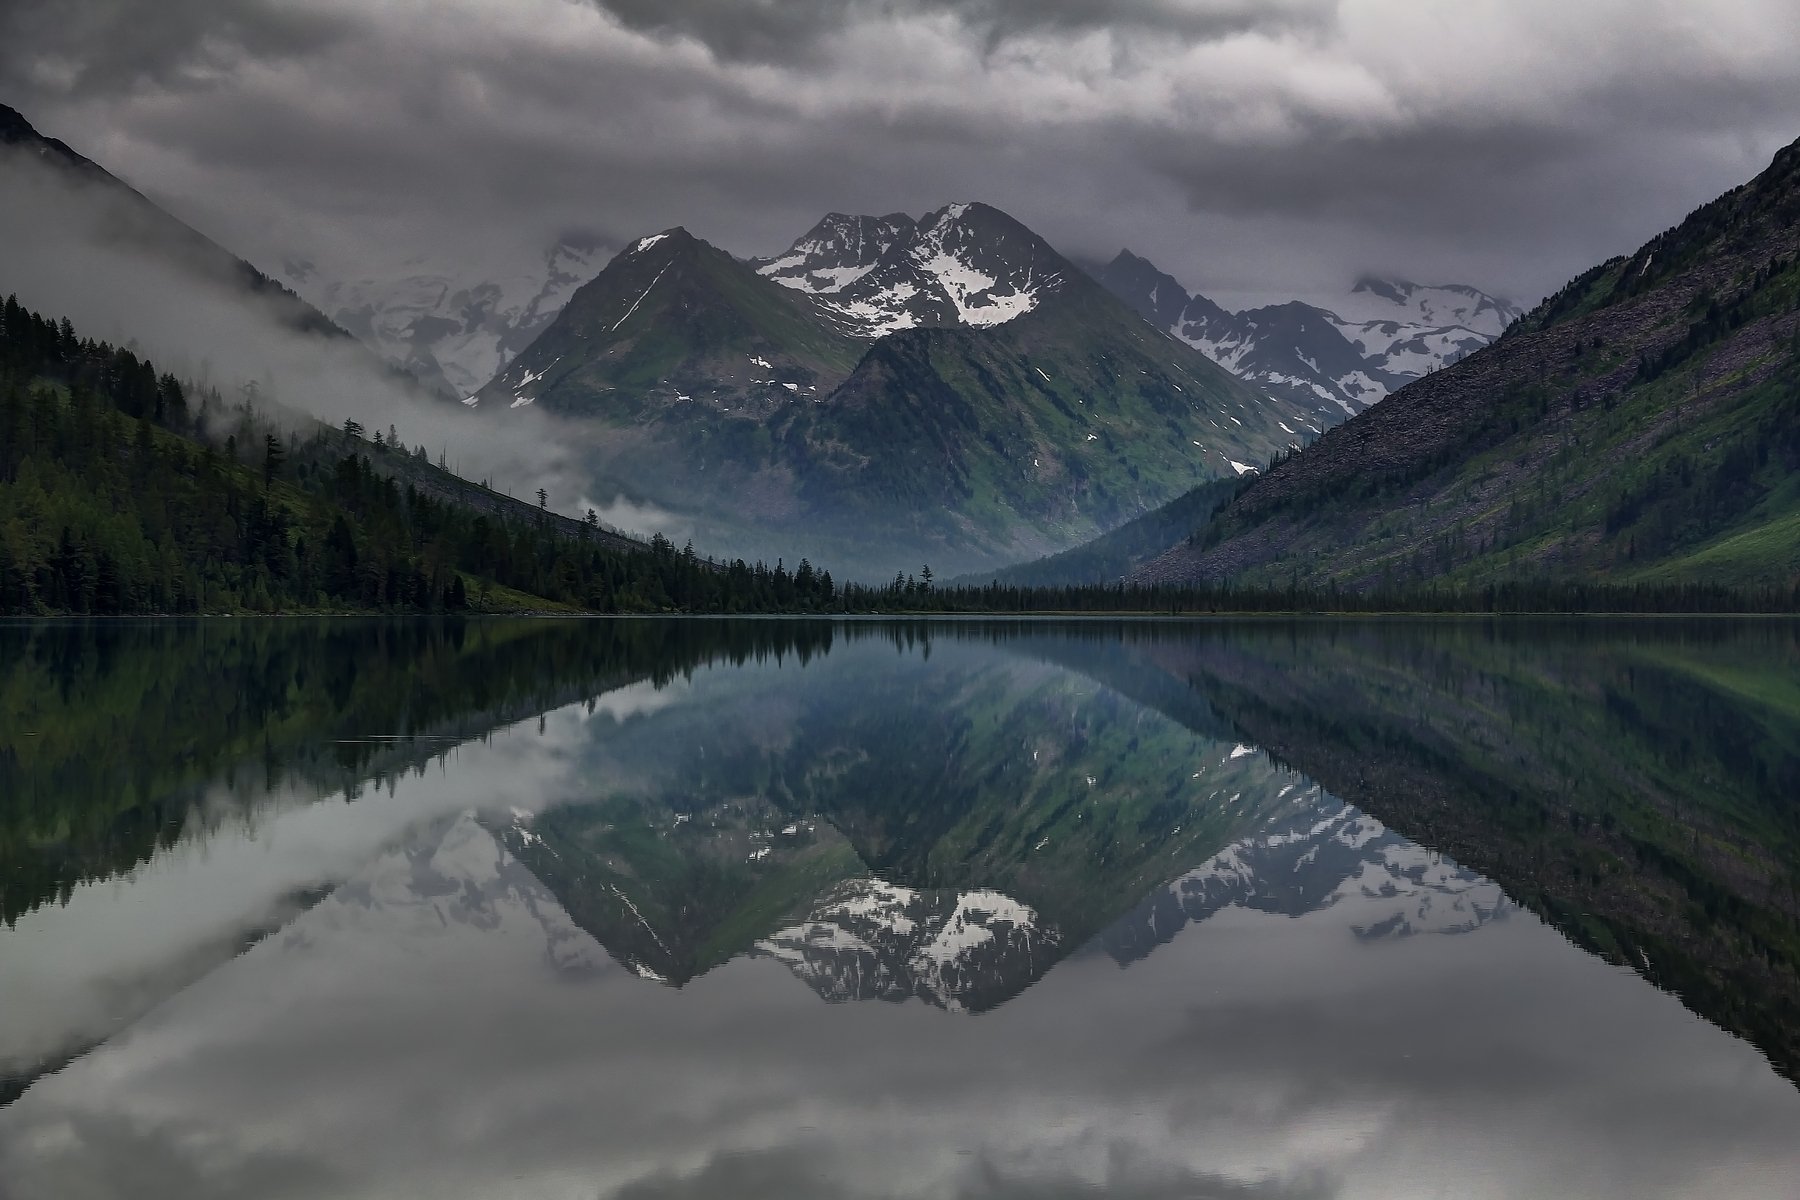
1643, 425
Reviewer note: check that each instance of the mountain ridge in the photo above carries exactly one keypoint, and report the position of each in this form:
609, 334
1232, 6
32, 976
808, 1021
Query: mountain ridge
149, 226
1336, 361
1642, 424
1040, 405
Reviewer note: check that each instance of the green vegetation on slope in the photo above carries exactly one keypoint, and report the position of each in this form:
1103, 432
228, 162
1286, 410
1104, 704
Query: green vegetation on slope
1632, 784
123, 491
1643, 425
736, 402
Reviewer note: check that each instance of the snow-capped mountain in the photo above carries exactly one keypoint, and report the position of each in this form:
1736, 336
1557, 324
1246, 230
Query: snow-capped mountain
1330, 855
867, 939
1447, 306
871, 940
836, 252
453, 331
804, 408
965, 264
1336, 360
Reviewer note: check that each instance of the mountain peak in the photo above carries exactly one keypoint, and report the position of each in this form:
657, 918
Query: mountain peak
675, 235
14, 127
836, 252
966, 264
1394, 290
1127, 258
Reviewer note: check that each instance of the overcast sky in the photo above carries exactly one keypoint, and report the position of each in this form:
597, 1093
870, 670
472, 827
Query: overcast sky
1253, 148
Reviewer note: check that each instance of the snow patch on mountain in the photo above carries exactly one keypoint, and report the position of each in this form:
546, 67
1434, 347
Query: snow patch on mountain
1335, 360
1442, 306
835, 253
1329, 856
960, 951
965, 264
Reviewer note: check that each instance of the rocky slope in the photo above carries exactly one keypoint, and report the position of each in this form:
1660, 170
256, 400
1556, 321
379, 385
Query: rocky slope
1642, 425
965, 264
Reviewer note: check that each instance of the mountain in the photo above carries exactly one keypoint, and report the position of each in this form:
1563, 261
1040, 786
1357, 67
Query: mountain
1335, 361
888, 392
1632, 791
966, 264
452, 331
123, 490
674, 321
1640, 426
126, 220
961, 826
836, 252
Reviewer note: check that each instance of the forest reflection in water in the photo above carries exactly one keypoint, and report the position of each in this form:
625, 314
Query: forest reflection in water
1143, 907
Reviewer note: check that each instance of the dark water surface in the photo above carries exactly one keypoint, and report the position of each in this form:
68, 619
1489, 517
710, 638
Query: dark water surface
933, 909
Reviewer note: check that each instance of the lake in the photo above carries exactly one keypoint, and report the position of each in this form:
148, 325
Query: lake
960, 908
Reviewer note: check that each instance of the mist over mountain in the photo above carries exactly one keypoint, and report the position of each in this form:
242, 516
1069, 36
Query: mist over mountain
78, 242
448, 324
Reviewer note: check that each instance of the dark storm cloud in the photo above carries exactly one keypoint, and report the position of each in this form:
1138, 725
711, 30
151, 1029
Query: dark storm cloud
1273, 147
785, 30
115, 46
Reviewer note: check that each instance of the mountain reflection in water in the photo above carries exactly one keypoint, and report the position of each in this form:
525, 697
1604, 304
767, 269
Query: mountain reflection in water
549, 908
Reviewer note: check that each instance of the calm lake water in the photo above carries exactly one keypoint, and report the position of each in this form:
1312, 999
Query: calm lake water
927, 909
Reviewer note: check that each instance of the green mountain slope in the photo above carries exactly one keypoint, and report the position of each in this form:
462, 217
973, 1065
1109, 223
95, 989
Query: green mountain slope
965, 441
672, 322
1113, 555
1643, 425
124, 491
1026, 437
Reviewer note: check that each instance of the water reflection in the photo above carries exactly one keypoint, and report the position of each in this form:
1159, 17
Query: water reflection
1078, 931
